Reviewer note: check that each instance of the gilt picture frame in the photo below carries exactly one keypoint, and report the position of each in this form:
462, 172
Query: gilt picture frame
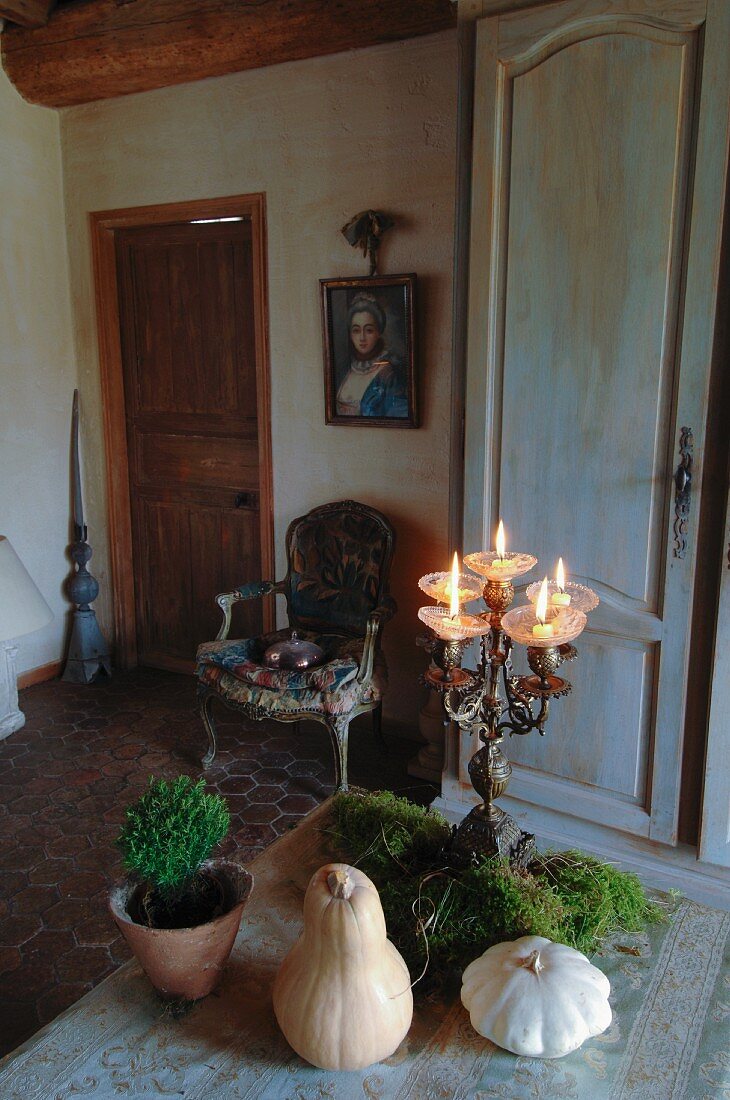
368, 334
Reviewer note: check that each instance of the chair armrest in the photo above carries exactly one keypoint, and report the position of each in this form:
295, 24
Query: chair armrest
226, 600
378, 617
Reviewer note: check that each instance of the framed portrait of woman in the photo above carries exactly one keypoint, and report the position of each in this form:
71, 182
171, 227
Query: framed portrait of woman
369, 351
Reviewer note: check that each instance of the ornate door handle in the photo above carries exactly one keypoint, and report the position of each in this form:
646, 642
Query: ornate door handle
683, 486
682, 479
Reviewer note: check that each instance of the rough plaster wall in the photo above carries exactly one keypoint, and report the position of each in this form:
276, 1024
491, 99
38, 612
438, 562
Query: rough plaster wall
37, 365
323, 139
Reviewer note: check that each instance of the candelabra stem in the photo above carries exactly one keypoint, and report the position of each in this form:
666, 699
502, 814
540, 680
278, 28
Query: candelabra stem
489, 830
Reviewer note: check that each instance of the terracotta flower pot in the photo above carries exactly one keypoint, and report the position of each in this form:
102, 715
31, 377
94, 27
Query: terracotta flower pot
186, 963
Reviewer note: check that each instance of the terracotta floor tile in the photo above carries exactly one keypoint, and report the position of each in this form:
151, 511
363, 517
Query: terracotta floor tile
35, 979
254, 836
35, 899
67, 845
103, 859
38, 833
21, 858
68, 913
84, 884
97, 930
84, 964
10, 959
270, 793
84, 754
12, 882
241, 766
260, 813
297, 804
263, 776
42, 784
235, 784
51, 870
18, 929
47, 944
8, 844
11, 827
119, 951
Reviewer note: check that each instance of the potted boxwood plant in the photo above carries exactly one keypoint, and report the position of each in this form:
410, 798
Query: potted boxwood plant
179, 911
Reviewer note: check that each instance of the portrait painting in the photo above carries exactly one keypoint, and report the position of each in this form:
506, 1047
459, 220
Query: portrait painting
369, 351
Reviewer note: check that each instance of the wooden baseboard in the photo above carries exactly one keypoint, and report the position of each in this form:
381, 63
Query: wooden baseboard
38, 675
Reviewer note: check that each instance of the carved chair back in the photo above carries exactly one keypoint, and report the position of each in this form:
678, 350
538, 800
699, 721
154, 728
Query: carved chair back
338, 564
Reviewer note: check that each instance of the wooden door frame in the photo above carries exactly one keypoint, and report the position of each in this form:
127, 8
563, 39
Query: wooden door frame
103, 226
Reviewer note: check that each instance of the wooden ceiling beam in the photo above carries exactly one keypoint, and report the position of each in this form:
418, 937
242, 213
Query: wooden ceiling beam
98, 49
27, 13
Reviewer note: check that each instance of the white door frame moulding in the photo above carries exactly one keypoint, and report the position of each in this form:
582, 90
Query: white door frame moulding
660, 865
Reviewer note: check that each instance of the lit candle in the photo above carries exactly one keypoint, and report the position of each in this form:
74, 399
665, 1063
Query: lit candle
454, 605
561, 598
500, 562
541, 629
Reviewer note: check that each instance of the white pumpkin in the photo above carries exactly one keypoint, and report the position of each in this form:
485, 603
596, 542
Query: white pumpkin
343, 994
536, 998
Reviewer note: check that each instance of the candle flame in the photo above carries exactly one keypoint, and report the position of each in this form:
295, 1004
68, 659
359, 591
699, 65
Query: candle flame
560, 576
500, 540
542, 600
454, 608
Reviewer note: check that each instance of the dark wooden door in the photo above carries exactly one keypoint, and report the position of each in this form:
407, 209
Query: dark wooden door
186, 300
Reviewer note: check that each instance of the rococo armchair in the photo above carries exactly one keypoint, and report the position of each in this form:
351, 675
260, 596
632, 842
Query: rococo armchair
336, 589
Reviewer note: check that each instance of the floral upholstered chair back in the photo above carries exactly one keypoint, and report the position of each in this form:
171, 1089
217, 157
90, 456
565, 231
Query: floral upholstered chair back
339, 559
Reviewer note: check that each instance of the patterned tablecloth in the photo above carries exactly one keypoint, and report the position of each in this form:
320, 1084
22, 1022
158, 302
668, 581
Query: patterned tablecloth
669, 1037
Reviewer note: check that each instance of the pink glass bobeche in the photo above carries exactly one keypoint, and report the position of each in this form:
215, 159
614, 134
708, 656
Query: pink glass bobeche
452, 629
438, 587
496, 567
582, 598
567, 624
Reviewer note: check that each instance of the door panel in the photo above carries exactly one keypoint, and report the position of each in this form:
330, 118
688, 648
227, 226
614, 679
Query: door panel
589, 331
189, 459
581, 745
188, 343
591, 149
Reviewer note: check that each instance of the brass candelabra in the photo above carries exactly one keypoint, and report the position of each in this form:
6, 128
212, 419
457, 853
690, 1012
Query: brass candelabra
490, 700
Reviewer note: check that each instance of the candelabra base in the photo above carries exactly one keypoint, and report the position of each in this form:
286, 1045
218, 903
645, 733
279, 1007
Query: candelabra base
483, 834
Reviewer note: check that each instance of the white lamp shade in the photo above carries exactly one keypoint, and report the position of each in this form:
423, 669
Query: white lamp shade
22, 608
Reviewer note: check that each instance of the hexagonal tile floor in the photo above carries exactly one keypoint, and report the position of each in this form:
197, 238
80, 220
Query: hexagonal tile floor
65, 779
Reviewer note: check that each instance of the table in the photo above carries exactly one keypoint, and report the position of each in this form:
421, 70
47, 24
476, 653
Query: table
668, 1039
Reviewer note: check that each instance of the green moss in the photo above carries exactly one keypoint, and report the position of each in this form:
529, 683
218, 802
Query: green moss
597, 898
170, 830
444, 917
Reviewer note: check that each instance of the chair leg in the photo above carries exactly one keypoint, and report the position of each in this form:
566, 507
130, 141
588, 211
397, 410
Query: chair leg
377, 720
207, 716
338, 728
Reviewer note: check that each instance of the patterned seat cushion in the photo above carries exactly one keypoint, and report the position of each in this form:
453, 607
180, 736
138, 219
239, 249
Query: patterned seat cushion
230, 668
243, 658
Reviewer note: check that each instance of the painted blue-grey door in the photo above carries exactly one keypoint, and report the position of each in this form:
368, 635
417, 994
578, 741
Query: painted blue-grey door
600, 143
